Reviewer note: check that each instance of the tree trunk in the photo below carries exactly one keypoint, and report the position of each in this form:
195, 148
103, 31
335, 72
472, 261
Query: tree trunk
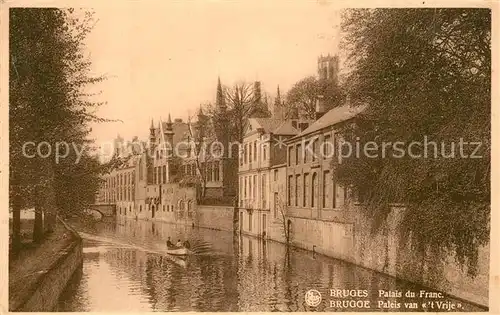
16, 226
50, 207
38, 223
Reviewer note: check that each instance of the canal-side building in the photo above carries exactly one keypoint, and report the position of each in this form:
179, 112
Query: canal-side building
159, 180
262, 158
211, 156
317, 205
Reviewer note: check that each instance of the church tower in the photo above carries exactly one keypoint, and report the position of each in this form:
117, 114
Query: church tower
152, 138
328, 68
169, 134
260, 109
278, 106
221, 120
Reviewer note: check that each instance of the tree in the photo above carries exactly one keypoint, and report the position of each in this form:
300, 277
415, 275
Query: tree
303, 95
201, 136
48, 104
284, 221
429, 76
240, 108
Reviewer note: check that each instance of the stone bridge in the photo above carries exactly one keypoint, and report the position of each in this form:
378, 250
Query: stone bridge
106, 210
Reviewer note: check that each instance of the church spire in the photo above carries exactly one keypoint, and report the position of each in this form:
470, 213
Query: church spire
220, 102
277, 108
169, 123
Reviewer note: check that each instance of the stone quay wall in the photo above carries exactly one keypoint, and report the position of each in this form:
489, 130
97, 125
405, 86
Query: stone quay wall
50, 287
351, 240
215, 217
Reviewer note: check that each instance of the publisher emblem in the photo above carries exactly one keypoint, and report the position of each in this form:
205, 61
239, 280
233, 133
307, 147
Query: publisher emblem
313, 298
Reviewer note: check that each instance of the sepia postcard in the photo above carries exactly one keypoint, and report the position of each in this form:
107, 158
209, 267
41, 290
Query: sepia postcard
249, 156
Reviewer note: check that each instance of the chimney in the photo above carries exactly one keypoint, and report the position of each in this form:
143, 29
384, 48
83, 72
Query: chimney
320, 106
303, 126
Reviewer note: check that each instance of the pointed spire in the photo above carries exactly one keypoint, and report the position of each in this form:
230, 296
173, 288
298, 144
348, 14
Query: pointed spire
257, 95
169, 123
200, 112
220, 102
277, 107
278, 97
152, 124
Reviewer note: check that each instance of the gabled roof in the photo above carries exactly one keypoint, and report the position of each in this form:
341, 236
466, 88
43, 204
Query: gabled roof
274, 125
334, 116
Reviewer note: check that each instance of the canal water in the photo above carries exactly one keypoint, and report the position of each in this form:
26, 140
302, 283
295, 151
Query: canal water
125, 268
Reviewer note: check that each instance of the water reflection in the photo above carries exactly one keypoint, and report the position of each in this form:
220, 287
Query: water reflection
125, 269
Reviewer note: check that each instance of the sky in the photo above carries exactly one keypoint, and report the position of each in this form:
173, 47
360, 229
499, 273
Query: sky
166, 58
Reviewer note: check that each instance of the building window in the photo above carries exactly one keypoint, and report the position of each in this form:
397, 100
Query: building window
326, 189
306, 190
275, 175
264, 223
164, 174
290, 154
154, 175
290, 190
314, 190
250, 222
314, 148
255, 151
216, 171
140, 208
264, 152
264, 192
334, 195
245, 188
240, 189
327, 146
298, 154
297, 189
249, 152
245, 153
209, 171
254, 183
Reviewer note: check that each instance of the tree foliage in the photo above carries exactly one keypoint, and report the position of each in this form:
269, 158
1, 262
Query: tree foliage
302, 97
427, 77
48, 76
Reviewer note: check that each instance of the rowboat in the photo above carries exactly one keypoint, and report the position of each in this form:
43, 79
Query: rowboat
177, 251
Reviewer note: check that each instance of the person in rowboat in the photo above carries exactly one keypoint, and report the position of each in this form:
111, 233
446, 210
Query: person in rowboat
179, 243
186, 244
169, 242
